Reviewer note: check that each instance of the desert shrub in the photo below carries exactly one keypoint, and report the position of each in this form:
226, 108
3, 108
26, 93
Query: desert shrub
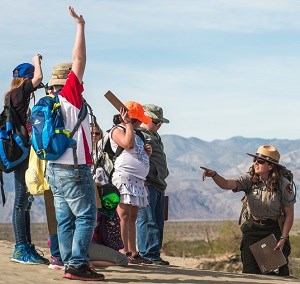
186, 248
169, 236
295, 244
229, 237
295, 255
227, 241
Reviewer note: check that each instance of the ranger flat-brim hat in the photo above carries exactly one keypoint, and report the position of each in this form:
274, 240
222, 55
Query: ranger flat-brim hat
60, 74
268, 153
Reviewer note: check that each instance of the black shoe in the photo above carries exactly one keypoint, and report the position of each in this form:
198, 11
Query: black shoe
160, 262
137, 259
39, 257
83, 273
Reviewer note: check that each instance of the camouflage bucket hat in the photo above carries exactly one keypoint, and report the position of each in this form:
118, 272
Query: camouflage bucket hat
60, 74
155, 112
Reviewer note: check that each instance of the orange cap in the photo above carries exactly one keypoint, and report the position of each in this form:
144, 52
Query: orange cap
135, 110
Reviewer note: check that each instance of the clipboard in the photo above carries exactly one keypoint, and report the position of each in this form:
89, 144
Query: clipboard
267, 258
114, 101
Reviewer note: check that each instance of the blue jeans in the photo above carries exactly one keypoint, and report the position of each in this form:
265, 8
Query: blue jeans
54, 246
75, 210
22, 206
150, 225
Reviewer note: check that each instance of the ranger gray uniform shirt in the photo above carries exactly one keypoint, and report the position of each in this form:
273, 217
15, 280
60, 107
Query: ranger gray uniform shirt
255, 193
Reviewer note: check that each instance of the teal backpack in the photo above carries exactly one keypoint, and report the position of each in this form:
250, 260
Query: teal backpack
49, 137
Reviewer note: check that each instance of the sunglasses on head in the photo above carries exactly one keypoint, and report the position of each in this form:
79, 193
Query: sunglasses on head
259, 161
157, 122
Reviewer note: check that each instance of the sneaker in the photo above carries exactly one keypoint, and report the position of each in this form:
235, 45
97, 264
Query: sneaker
83, 273
137, 259
160, 262
39, 258
22, 255
56, 263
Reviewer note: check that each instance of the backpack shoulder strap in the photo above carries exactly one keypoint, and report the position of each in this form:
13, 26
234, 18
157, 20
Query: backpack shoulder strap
244, 212
244, 207
81, 116
2, 188
119, 148
11, 115
139, 133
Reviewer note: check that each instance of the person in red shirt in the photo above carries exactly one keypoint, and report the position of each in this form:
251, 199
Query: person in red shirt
74, 200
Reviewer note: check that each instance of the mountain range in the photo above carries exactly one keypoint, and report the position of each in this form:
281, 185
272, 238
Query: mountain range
190, 198
193, 199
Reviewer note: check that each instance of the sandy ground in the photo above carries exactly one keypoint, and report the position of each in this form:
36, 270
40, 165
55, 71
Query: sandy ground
181, 270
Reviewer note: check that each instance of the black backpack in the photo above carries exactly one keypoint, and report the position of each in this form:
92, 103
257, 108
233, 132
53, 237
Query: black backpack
14, 142
105, 157
290, 177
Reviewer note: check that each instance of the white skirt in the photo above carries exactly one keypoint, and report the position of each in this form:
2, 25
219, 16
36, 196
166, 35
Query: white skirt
132, 189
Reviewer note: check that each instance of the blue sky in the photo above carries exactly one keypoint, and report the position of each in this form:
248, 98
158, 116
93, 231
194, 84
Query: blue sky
218, 68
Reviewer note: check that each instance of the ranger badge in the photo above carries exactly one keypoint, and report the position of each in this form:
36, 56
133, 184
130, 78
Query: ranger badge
289, 188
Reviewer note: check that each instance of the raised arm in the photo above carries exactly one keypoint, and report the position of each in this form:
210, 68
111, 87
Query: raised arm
125, 139
79, 48
223, 183
38, 74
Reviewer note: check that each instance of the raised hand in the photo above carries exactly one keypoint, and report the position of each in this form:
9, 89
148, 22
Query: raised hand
78, 19
124, 115
37, 58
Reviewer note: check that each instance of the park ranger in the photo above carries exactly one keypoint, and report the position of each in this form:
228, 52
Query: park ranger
268, 203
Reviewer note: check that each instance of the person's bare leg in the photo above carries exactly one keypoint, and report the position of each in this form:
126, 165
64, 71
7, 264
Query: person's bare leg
124, 214
132, 230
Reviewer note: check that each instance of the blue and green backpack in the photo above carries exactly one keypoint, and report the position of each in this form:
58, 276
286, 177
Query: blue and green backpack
49, 137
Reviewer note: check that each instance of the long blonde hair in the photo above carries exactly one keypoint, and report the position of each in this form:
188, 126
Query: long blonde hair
17, 82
